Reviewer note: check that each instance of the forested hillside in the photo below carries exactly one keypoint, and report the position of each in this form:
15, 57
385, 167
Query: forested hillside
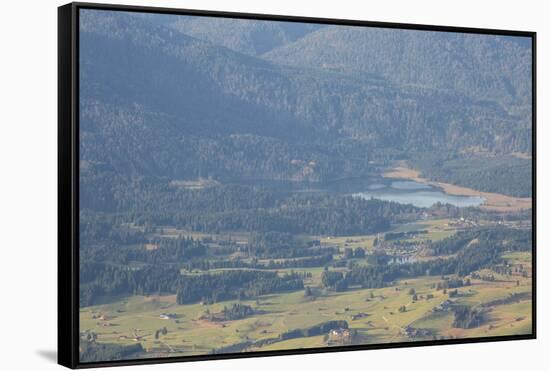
208, 110
495, 68
252, 38
509, 174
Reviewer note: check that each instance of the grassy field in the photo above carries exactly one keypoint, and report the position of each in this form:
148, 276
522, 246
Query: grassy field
385, 313
436, 229
137, 318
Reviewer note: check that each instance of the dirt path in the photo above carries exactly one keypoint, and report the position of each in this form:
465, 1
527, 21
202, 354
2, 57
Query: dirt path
493, 201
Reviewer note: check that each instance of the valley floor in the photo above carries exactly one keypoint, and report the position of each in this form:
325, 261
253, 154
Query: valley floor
376, 316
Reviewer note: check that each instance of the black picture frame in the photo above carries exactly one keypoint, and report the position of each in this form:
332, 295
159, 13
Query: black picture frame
68, 182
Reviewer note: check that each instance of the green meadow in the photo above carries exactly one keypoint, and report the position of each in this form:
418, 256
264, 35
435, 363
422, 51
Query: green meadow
189, 332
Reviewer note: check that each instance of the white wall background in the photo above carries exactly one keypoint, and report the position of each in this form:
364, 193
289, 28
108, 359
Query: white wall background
28, 155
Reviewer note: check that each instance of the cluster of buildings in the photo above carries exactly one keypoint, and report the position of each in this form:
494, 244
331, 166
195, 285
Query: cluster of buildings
412, 332
443, 307
339, 336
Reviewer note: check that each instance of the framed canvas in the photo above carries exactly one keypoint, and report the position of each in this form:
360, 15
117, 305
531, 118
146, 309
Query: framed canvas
242, 185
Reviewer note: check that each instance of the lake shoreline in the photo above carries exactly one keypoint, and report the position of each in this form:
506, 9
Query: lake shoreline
493, 201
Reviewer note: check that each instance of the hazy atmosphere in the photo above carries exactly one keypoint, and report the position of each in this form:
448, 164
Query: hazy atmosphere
249, 185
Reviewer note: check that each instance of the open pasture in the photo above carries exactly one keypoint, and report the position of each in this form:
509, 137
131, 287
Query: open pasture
374, 313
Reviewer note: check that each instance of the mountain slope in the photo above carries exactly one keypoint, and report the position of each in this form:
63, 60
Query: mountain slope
250, 37
496, 68
159, 103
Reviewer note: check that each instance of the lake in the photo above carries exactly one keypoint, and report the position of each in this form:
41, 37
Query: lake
387, 189
415, 193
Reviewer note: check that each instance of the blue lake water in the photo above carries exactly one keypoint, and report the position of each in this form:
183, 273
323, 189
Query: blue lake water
417, 194
397, 190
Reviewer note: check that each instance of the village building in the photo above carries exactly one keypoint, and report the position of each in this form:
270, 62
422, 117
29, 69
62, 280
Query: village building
168, 316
